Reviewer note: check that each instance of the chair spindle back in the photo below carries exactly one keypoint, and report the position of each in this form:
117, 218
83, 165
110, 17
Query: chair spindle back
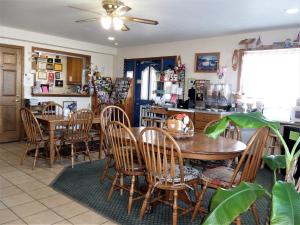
79, 125
124, 147
31, 126
162, 156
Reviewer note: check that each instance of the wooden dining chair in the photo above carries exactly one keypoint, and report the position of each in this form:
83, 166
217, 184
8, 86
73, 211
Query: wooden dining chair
127, 160
78, 131
246, 170
108, 114
165, 170
95, 131
34, 135
52, 110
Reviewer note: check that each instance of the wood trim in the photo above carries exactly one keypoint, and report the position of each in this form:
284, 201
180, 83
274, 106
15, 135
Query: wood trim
153, 58
239, 73
59, 95
59, 52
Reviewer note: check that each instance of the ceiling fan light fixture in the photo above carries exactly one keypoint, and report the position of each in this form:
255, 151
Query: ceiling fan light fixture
118, 23
106, 22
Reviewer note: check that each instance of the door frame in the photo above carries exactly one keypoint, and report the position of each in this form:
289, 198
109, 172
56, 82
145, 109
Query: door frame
22, 50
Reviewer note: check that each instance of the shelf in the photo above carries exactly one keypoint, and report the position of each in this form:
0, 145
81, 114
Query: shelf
168, 81
58, 95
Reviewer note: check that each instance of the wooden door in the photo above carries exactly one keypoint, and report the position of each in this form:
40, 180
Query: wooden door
10, 93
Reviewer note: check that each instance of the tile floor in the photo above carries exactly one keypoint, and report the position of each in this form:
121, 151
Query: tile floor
26, 198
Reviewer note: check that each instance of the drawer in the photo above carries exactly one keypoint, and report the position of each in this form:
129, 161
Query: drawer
205, 117
200, 125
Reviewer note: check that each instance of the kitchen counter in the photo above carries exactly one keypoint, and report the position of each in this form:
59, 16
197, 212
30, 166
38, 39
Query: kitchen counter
200, 111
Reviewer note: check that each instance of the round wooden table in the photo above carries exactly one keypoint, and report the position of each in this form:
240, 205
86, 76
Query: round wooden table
204, 148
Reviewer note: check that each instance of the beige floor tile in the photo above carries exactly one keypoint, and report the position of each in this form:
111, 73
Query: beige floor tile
70, 210
55, 200
42, 192
64, 222
4, 183
47, 181
110, 223
6, 215
21, 179
15, 222
28, 209
2, 206
7, 169
8, 191
42, 174
13, 174
88, 218
14, 200
29, 186
46, 217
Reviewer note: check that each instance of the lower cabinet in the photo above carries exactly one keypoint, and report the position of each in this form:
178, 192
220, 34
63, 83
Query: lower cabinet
202, 119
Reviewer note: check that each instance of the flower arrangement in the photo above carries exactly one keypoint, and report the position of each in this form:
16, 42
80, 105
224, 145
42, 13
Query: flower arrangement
179, 122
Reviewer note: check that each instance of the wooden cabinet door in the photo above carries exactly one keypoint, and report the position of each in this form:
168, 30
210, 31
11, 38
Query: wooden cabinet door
10, 93
74, 70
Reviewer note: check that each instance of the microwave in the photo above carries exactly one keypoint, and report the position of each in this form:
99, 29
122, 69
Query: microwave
295, 114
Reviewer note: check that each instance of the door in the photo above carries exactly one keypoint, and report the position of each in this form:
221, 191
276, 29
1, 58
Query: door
145, 85
10, 93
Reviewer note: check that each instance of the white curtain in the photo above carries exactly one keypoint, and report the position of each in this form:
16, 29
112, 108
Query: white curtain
274, 77
149, 84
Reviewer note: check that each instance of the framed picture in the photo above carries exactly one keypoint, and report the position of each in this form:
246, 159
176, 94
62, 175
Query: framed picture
42, 75
42, 65
49, 66
71, 105
58, 67
51, 77
49, 60
207, 62
57, 59
57, 75
45, 88
59, 83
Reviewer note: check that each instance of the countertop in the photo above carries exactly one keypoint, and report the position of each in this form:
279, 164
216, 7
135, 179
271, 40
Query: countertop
198, 110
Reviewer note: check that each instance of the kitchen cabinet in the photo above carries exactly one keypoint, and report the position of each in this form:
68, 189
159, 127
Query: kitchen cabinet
202, 119
74, 70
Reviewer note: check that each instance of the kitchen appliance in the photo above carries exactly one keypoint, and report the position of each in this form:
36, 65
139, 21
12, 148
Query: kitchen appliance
218, 97
201, 91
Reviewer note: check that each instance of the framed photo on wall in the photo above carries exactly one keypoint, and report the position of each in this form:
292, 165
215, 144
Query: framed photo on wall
59, 83
58, 67
57, 75
207, 62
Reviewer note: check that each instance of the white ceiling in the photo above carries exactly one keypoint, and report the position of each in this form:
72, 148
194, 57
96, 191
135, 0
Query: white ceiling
179, 19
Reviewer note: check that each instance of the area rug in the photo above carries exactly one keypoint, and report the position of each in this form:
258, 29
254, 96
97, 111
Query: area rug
82, 184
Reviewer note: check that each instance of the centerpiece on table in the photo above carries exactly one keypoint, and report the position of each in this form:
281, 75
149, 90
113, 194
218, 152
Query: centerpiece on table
180, 126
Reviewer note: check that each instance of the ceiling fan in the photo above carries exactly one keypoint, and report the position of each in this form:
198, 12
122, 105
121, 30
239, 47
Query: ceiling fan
114, 15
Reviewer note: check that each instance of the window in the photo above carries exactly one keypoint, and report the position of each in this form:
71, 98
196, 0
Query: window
148, 83
272, 76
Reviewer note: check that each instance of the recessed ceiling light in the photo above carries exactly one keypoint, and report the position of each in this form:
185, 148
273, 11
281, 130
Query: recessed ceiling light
292, 11
111, 38
116, 43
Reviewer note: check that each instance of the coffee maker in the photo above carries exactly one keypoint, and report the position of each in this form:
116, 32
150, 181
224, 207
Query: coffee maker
201, 92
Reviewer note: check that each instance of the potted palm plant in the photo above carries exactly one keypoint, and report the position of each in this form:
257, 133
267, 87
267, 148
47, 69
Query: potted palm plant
285, 197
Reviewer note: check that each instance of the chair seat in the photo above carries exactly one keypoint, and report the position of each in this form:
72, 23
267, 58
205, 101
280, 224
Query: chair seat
190, 173
220, 176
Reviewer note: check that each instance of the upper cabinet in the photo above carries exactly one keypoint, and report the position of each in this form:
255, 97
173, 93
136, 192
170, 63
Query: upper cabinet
74, 70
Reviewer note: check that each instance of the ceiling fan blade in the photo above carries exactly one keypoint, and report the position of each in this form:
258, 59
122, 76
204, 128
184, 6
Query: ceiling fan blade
121, 10
85, 10
87, 20
125, 28
139, 20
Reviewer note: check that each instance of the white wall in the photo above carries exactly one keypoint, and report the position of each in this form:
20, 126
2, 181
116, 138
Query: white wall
102, 56
187, 49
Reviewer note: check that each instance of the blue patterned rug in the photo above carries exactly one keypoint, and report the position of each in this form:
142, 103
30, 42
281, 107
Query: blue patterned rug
82, 184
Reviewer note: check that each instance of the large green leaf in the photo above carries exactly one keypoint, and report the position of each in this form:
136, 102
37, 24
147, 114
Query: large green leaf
227, 204
275, 161
244, 120
285, 204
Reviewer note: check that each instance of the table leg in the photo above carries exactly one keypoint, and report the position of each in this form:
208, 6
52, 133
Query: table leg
51, 146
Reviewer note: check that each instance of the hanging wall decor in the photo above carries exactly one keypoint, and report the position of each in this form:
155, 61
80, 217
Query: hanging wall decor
207, 62
58, 67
